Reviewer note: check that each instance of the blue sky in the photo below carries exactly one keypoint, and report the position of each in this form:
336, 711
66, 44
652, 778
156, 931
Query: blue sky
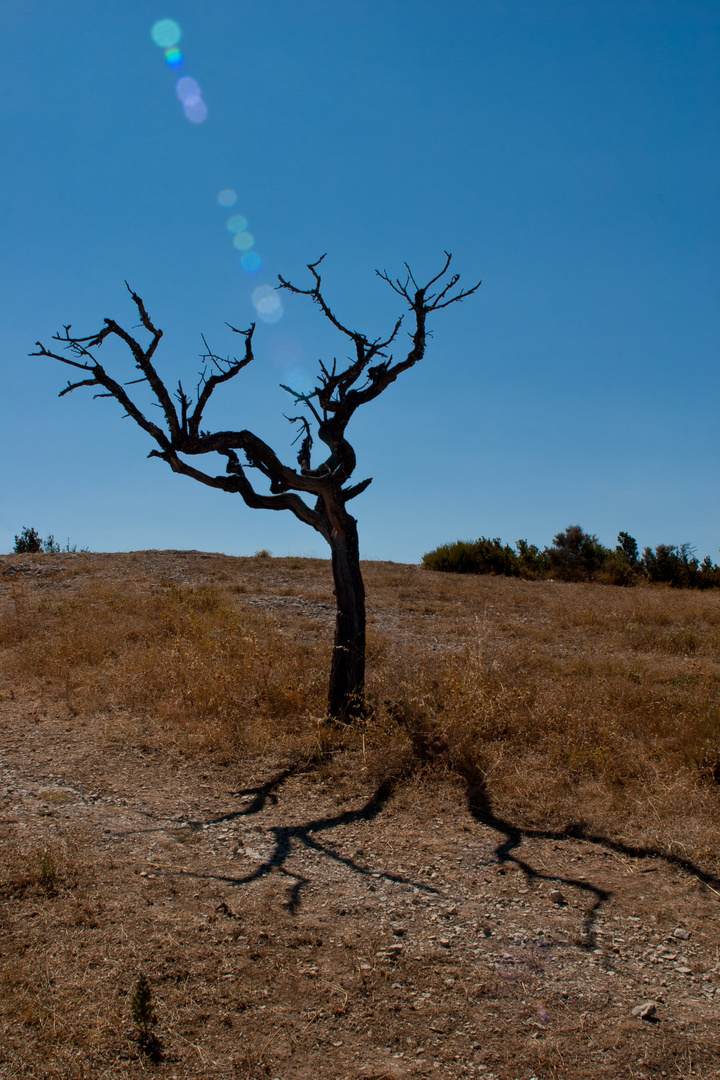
565, 151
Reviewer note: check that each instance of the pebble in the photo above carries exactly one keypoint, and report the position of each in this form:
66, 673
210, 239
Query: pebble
679, 932
645, 1011
557, 897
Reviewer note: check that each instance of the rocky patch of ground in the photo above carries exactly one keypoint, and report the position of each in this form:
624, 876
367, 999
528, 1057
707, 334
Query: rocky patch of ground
288, 934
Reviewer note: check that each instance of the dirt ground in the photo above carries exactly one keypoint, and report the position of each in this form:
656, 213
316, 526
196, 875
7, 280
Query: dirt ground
293, 931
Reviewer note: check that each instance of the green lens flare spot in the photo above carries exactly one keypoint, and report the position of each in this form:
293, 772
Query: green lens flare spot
237, 223
165, 33
243, 241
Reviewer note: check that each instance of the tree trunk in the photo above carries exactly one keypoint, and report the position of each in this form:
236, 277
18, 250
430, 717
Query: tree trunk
346, 699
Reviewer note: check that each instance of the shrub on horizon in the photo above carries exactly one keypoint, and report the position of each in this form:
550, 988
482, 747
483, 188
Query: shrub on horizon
578, 556
29, 542
481, 556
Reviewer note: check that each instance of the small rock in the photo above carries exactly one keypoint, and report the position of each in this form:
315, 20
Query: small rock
557, 897
680, 932
445, 942
645, 1011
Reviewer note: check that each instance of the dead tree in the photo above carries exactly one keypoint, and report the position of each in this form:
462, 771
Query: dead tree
317, 494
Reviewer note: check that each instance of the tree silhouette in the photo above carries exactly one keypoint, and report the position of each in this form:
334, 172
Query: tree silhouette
316, 493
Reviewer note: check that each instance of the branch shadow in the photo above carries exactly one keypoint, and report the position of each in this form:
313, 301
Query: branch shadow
285, 837
261, 795
480, 807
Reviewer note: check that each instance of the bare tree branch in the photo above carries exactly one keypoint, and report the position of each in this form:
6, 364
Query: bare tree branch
227, 370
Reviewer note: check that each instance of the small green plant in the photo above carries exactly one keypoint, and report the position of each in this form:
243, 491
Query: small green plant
47, 873
143, 1013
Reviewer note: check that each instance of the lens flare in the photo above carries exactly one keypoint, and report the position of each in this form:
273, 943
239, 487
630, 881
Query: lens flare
188, 90
237, 223
267, 304
243, 241
251, 262
286, 351
189, 93
195, 111
227, 197
174, 58
165, 33
298, 380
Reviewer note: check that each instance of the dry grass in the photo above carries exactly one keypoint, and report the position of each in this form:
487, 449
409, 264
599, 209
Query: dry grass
577, 704
180, 662
572, 703
571, 708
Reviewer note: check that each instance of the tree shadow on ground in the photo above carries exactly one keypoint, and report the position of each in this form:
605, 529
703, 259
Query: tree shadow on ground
480, 807
285, 837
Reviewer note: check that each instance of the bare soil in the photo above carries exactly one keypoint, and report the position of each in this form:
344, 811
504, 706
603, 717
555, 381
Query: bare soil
293, 928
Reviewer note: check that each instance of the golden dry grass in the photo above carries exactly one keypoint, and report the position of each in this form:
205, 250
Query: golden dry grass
565, 709
574, 704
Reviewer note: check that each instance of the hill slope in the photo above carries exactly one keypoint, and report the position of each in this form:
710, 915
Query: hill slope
519, 847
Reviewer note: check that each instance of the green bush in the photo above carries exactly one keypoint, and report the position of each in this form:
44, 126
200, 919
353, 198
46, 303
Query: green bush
28, 542
481, 556
532, 562
578, 556
679, 567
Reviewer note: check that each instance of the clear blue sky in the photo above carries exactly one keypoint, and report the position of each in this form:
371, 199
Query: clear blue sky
566, 151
